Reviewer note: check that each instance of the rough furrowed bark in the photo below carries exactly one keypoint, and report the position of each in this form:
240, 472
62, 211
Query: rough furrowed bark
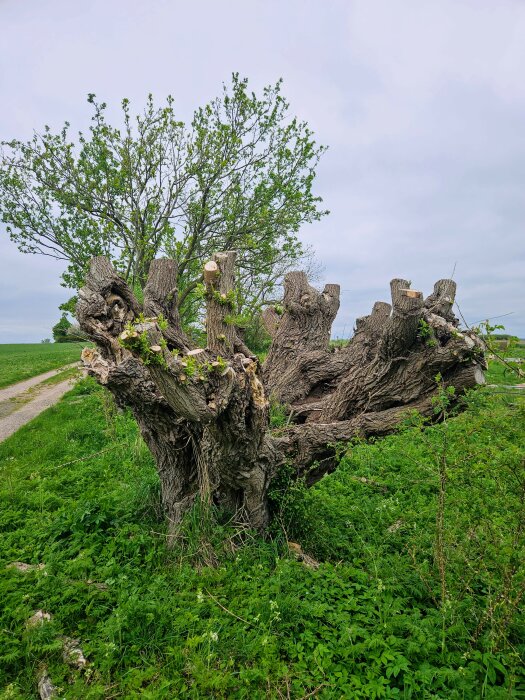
160, 301
300, 337
204, 412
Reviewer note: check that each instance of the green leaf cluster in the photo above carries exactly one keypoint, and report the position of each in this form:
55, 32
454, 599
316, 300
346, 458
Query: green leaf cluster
426, 333
140, 345
60, 329
227, 299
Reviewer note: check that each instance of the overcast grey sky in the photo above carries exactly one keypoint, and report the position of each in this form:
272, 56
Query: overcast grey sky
422, 103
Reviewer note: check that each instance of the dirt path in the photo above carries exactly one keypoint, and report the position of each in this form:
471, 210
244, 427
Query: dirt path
25, 400
10, 392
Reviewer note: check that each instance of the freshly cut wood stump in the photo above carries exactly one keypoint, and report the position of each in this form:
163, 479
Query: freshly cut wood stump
204, 412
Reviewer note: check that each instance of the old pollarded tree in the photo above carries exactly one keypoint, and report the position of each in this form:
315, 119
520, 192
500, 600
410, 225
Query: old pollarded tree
204, 412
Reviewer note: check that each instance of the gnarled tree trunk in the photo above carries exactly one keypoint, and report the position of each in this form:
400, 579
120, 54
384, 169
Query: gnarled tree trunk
204, 412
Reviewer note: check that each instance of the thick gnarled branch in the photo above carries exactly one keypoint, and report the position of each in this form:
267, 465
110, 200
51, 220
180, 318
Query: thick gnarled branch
204, 412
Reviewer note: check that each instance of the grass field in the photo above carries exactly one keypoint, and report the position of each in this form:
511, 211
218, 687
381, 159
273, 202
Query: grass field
419, 592
22, 361
501, 373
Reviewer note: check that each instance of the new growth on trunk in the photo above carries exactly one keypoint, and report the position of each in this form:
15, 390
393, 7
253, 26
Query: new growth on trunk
204, 412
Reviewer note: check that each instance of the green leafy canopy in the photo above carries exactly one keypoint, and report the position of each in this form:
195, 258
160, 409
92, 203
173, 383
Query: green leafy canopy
240, 177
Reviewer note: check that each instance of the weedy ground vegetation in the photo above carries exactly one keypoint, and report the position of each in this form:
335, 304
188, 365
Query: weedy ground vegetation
420, 539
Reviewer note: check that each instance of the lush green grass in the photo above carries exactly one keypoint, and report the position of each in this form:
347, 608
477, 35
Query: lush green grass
70, 373
22, 361
502, 372
405, 603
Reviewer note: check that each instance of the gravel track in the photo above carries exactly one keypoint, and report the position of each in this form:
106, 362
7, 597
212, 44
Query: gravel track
10, 392
25, 400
